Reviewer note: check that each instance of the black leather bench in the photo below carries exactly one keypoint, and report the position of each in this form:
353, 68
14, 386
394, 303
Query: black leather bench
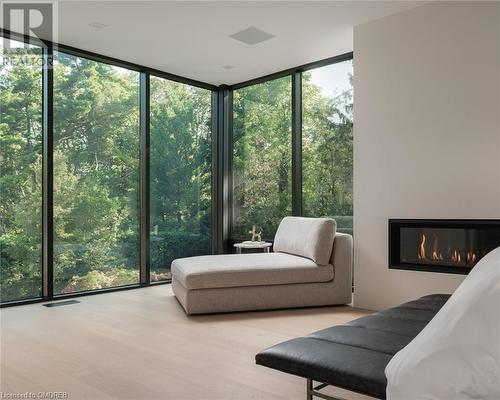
353, 356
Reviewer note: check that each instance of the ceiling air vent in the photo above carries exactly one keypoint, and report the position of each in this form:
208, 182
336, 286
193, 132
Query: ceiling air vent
251, 36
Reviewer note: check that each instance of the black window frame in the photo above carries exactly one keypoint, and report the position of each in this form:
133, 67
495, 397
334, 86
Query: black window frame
222, 153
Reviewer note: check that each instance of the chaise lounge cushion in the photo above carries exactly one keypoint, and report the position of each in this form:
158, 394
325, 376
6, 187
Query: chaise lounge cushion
235, 270
306, 237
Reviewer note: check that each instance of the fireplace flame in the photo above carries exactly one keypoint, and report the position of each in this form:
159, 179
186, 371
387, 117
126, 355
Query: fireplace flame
436, 256
421, 254
471, 257
454, 256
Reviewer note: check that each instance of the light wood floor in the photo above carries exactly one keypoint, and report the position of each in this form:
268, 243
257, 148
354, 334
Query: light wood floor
139, 344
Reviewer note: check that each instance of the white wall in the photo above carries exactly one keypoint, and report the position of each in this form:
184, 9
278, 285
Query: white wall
427, 134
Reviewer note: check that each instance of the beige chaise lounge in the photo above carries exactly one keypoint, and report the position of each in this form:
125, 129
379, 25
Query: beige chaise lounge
311, 266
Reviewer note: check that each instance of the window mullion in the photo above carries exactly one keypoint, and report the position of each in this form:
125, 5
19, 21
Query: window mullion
144, 176
297, 143
47, 174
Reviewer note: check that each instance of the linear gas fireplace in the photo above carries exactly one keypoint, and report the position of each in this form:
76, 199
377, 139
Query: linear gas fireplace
437, 245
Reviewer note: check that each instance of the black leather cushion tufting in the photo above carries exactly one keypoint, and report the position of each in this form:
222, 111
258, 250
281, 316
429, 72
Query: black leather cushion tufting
354, 356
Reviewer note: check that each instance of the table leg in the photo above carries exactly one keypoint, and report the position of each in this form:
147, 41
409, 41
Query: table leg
238, 250
266, 249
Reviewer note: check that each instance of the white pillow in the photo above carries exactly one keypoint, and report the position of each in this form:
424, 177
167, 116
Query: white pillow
457, 355
306, 237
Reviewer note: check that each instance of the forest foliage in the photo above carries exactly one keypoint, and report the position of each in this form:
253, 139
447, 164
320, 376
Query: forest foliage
262, 131
96, 170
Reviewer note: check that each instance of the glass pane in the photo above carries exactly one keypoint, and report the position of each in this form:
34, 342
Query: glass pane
180, 174
96, 175
327, 158
262, 178
21, 171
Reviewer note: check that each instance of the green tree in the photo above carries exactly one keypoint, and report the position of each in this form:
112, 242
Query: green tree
96, 174
20, 175
262, 156
327, 151
181, 159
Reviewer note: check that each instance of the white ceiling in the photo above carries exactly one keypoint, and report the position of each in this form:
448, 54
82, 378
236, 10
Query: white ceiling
191, 39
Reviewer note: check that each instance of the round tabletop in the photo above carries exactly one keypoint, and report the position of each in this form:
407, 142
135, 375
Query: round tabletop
252, 245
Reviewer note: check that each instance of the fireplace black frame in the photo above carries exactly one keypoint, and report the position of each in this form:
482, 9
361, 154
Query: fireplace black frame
394, 246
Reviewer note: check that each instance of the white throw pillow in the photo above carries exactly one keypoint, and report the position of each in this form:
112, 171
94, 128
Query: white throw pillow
306, 237
457, 355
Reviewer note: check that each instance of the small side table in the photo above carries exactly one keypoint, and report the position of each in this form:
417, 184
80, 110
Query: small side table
253, 245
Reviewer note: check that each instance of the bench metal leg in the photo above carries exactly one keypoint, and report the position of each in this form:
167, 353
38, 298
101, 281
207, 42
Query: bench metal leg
312, 391
309, 390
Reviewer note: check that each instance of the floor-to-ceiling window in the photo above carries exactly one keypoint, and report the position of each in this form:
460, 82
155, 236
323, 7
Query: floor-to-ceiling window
100, 162
180, 174
96, 175
73, 136
262, 157
21, 171
327, 143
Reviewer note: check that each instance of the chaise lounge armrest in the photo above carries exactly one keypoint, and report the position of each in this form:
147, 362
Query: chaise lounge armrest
342, 261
